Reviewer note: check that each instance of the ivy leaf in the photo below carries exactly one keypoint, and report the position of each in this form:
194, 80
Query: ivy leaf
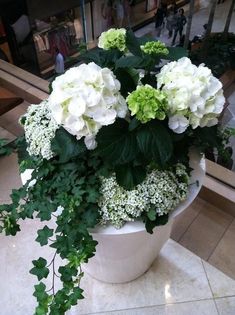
67, 273
116, 144
43, 235
76, 295
40, 291
154, 142
129, 176
150, 225
40, 270
66, 146
91, 216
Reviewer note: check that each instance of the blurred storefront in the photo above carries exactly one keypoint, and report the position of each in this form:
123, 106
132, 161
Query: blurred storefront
31, 30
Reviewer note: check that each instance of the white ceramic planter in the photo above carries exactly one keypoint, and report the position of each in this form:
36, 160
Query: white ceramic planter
125, 254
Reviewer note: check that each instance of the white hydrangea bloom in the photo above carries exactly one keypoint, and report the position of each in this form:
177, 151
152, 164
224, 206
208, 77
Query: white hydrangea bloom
178, 123
40, 128
163, 190
192, 92
86, 98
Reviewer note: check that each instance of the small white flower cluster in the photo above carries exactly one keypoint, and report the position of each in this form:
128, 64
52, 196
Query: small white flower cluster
162, 189
86, 98
40, 128
195, 96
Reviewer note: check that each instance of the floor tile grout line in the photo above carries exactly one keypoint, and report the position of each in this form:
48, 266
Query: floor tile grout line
210, 286
220, 239
188, 227
151, 306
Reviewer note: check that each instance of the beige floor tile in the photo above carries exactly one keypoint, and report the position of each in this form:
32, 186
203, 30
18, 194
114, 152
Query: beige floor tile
182, 221
4, 134
206, 231
9, 175
177, 276
221, 285
206, 307
223, 257
226, 306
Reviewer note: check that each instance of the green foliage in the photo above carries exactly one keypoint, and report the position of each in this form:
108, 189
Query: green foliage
219, 58
5, 148
66, 146
67, 186
43, 235
40, 270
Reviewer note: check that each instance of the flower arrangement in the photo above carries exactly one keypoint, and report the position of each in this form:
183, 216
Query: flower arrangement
110, 145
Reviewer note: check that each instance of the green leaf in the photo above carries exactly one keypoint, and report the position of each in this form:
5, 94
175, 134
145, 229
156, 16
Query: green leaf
129, 176
129, 62
40, 291
43, 235
40, 270
175, 53
127, 79
150, 225
134, 123
67, 273
152, 214
154, 142
133, 44
66, 145
116, 144
76, 295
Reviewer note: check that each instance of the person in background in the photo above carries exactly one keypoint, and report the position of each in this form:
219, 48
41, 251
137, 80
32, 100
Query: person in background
59, 62
107, 13
170, 21
159, 19
179, 26
119, 10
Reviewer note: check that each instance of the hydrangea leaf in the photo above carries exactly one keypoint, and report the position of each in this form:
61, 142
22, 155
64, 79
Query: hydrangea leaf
154, 142
116, 144
66, 145
175, 53
133, 44
129, 62
128, 176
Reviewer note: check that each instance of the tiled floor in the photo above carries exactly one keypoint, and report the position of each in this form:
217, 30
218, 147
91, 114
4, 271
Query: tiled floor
208, 232
179, 282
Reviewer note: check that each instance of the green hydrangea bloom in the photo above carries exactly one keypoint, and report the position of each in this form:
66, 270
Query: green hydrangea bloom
154, 48
113, 38
147, 103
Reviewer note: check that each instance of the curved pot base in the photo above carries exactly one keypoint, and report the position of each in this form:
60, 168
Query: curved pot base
125, 257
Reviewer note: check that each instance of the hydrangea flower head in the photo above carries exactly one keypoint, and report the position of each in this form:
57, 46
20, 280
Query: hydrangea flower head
192, 92
154, 48
147, 103
113, 38
86, 98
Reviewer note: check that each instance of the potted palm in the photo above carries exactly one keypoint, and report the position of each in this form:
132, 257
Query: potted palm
110, 149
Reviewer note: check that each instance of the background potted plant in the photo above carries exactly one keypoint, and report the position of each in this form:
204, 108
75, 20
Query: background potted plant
109, 145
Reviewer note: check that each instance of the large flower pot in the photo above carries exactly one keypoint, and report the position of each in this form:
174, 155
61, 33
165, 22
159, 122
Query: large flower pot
125, 254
